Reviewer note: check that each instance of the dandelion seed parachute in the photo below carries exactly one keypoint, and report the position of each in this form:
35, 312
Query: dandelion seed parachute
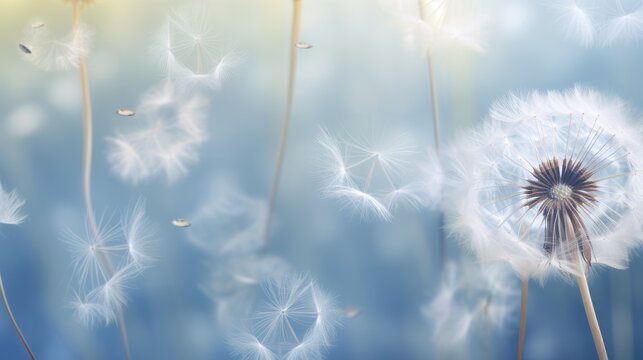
371, 179
293, 319
189, 50
551, 181
50, 53
165, 139
101, 291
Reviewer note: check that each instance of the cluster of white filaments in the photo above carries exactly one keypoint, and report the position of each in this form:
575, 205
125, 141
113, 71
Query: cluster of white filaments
292, 319
372, 180
551, 180
51, 53
105, 261
164, 139
601, 23
190, 51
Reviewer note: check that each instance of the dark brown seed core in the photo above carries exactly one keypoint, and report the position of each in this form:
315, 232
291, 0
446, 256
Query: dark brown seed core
562, 193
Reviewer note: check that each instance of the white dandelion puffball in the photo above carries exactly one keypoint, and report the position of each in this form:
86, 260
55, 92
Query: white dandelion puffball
105, 261
292, 319
11, 208
440, 23
472, 297
600, 23
550, 181
372, 178
190, 51
164, 139
228, 221
51, 53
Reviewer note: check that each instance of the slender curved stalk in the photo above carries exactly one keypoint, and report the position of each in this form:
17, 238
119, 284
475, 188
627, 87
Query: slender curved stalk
435, 116
591, 317
524, 290
23, 340
434, 104
283, 138
87, 168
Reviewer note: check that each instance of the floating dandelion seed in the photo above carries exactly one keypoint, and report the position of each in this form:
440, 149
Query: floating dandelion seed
50, 53
550, 178
24, 48
181, 223
165, 140
125, 112
101, 288
352, 312
303, 45
372, 180
190, 51
292, 319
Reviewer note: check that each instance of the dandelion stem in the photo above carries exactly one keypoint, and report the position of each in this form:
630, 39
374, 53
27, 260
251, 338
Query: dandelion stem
434, 104
591, 317
283, 138
87, 168
524, 289
13, 321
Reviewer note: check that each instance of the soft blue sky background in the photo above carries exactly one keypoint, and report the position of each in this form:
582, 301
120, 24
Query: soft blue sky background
359, 76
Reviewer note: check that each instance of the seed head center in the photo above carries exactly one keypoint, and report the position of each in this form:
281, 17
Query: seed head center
560, 192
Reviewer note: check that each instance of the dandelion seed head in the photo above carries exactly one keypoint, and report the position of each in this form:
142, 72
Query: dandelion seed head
554, 194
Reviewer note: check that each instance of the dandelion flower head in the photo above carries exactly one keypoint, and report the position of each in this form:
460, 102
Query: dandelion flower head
550, 181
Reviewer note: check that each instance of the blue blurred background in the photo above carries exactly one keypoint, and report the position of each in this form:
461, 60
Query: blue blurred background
358, 76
